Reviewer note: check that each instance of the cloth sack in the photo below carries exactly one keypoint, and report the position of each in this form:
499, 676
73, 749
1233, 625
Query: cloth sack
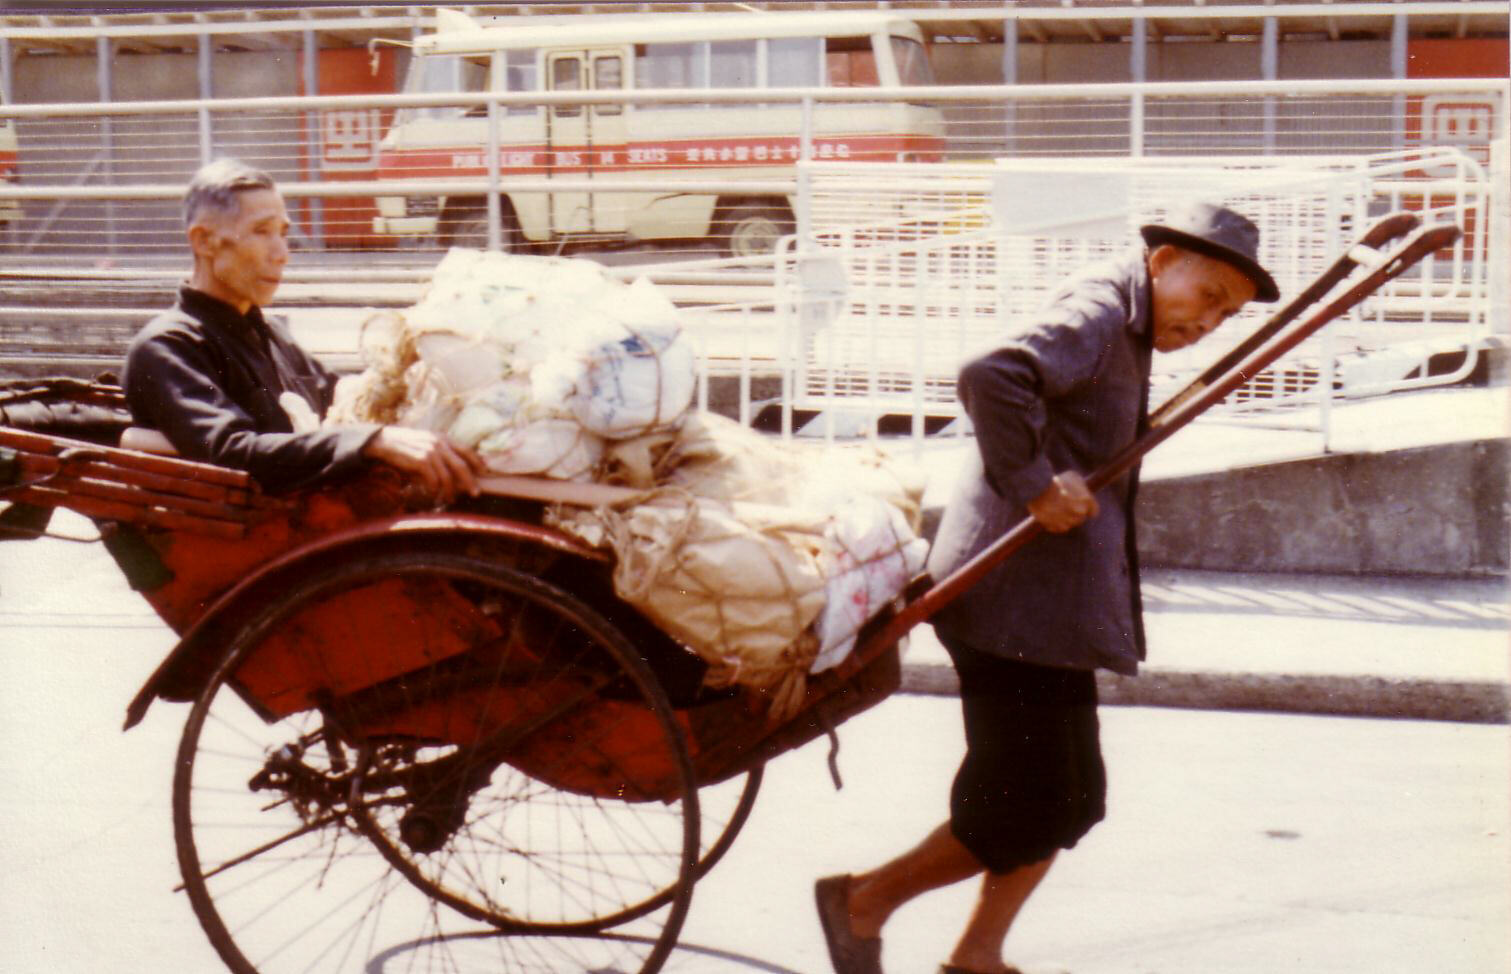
740, 588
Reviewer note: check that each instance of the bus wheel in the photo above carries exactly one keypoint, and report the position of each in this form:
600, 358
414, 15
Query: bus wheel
468, 227
751, 229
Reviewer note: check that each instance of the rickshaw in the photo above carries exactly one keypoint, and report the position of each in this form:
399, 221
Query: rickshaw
402, 719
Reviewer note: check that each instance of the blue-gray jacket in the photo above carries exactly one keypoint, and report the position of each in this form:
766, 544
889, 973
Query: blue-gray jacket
1067, 391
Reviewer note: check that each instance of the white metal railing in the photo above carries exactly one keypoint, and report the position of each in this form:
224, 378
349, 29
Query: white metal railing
1498, 242
106, 177
956, 254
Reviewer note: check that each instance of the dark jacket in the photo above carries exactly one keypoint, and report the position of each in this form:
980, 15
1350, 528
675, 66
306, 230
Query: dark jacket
1067, 391
209, 379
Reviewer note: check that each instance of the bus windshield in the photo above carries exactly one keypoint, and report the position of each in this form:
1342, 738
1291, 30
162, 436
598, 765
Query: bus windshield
432, 74
912, 62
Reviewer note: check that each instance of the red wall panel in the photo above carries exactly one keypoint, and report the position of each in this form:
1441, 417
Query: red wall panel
348, 139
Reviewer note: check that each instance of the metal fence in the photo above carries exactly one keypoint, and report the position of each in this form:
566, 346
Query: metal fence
937, 262
896, 270
103, 179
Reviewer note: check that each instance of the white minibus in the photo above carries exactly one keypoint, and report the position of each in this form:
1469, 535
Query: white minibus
649, 141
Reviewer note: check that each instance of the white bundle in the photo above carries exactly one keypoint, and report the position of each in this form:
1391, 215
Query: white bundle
740, 587
531, 361
547, 366
636, 383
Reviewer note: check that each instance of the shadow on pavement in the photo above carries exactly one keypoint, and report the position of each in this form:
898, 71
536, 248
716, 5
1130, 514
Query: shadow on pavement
606, 953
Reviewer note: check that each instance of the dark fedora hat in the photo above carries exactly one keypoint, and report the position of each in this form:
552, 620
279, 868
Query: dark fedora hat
1216, 232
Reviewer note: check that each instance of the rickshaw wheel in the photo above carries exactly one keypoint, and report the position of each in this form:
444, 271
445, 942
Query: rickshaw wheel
723, 807
747, 786
305, 832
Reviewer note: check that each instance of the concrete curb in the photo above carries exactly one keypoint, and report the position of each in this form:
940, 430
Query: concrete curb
1475, 702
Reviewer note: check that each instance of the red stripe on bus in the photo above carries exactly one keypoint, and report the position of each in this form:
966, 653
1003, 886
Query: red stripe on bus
712, 153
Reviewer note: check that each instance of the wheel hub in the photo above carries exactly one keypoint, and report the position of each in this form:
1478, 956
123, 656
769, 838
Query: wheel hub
426, 828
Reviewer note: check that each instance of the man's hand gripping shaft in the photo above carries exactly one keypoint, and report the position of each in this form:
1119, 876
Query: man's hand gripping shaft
1065, 504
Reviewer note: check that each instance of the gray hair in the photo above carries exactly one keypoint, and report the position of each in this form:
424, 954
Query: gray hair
217, 185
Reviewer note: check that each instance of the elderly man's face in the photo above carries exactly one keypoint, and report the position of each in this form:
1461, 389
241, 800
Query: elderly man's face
1193, 294
242, 255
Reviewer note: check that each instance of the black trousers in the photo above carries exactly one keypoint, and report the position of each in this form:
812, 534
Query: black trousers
1032, 781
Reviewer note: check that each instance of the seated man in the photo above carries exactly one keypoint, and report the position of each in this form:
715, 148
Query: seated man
225, 384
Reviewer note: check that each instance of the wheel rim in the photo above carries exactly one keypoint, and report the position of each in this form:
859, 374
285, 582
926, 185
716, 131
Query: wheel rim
754, 236
723, 810
329, 829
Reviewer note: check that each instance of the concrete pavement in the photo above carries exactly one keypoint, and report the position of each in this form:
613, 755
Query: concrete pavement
1236, 842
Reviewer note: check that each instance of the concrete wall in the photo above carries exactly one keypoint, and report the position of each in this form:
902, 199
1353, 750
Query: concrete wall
1435, 510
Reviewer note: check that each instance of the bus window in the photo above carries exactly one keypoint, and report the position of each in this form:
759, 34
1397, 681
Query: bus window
520, 74
851, 63
608, 74
671, 66
566, 75
444, 74
794, 62
912, 59
732, 64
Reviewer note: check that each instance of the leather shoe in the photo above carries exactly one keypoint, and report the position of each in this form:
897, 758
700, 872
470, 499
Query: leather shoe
848, 953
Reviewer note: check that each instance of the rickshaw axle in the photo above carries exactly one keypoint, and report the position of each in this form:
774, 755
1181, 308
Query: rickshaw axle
437, 792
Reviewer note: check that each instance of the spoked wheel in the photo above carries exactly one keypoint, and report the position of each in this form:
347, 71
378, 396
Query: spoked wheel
417, 741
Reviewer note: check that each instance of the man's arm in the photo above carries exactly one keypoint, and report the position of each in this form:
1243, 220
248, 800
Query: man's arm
1004, 393
172, 386
445, 468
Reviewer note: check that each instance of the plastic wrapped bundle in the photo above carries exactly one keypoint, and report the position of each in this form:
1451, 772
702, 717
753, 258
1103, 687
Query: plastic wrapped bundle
870, 556
376, 395
534, 362
710, 456
516, 419
637, 374
549, 367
